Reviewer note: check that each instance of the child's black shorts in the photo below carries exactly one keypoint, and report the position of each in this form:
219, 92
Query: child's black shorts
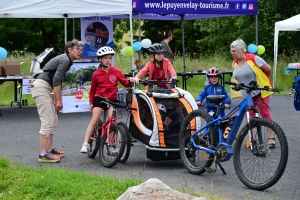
99, 104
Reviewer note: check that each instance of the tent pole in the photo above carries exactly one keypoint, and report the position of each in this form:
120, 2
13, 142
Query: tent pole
66, 39
183, 46
73, 28
256, 30
131, 39
140, 32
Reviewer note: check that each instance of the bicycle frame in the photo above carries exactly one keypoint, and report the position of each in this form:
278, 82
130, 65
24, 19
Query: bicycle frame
241, 109
107, 124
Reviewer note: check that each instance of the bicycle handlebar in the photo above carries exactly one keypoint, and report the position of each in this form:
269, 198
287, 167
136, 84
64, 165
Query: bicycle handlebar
252, 86
221, 106
151, 82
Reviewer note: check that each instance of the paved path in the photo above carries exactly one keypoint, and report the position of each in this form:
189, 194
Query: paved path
19, 142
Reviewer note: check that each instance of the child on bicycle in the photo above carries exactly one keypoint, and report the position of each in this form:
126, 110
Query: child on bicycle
214, 88
104, 84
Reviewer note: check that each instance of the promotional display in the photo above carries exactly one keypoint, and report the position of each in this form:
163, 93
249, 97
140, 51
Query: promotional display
76, 87
96, 32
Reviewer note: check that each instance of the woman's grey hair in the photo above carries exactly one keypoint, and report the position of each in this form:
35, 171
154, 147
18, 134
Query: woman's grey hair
238, 44
73, 43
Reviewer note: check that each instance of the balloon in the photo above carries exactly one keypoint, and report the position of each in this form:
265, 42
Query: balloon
146, 43
252, 48
137, 46
129, 51
260, 49
3, 53
123, 51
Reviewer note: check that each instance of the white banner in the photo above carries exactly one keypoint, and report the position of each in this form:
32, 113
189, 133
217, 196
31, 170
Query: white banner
76, 87
26, 85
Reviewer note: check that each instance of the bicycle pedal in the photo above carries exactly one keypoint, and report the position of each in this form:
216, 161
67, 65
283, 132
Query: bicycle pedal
93, 139
210, 170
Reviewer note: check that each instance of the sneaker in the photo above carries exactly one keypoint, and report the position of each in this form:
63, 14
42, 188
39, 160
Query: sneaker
84, 148
111, 151
48, 158
54, 152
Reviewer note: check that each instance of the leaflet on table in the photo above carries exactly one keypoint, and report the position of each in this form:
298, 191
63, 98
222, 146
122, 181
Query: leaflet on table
26, 85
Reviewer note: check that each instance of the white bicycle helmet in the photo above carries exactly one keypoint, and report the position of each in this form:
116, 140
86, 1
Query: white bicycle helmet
105, 51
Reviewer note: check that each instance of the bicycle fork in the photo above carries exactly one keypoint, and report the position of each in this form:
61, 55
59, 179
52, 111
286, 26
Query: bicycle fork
253, 141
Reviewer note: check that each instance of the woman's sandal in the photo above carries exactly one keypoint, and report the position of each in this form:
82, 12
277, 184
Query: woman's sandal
271, 145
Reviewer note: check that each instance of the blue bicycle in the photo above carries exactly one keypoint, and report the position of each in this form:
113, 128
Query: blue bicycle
203, 144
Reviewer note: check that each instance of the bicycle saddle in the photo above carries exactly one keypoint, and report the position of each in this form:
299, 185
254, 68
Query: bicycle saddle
216, 98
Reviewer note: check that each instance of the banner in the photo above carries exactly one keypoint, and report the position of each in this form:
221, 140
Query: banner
96, 32
76, 87
236, 7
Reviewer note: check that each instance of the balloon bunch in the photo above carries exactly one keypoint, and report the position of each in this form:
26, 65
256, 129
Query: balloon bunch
260, 49
3, 53
136, 46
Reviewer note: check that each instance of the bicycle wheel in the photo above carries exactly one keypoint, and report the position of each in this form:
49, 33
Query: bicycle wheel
128, 143
94, 144
262, 167
110, 155
196, 160
94, 141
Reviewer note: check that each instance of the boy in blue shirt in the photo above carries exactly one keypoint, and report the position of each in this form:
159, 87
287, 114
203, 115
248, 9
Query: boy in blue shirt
214, 88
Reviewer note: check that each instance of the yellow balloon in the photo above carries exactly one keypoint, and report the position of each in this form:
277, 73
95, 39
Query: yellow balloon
260, 49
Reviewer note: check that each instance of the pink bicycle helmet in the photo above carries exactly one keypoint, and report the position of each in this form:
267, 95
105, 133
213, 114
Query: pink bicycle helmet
213, 72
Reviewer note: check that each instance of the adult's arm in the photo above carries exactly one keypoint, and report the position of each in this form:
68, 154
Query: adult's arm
266, 68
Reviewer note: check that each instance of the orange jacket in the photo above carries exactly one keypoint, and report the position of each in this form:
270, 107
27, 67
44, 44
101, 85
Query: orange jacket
149, 69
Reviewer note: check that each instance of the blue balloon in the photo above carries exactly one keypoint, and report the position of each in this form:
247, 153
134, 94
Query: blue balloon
3, 53
252, 48
137, 46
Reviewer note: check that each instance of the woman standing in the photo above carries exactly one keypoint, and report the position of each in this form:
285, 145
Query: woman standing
167, 37
250, 67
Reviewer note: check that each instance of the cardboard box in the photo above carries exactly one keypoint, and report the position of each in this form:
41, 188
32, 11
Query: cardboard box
12, 68
2, 63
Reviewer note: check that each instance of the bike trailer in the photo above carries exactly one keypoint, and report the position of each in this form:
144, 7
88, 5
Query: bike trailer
156, 119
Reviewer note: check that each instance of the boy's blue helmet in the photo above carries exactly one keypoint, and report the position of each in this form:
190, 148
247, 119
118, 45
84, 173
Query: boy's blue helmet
213, 72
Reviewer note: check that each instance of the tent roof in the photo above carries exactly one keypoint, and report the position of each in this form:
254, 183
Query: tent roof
63, 8
290, 24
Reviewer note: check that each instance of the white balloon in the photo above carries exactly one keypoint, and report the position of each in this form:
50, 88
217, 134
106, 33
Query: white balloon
146, 43
123, 51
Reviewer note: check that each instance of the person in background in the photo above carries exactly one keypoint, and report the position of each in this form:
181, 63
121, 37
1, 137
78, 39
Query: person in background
48, 108
104, 84
167, 37
250, 67
159, 68
214, 88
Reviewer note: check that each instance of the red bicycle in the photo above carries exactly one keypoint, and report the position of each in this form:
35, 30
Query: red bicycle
109, 138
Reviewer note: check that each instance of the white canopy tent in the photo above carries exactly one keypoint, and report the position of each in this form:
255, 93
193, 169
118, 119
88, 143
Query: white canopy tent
65, 9
291, 24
